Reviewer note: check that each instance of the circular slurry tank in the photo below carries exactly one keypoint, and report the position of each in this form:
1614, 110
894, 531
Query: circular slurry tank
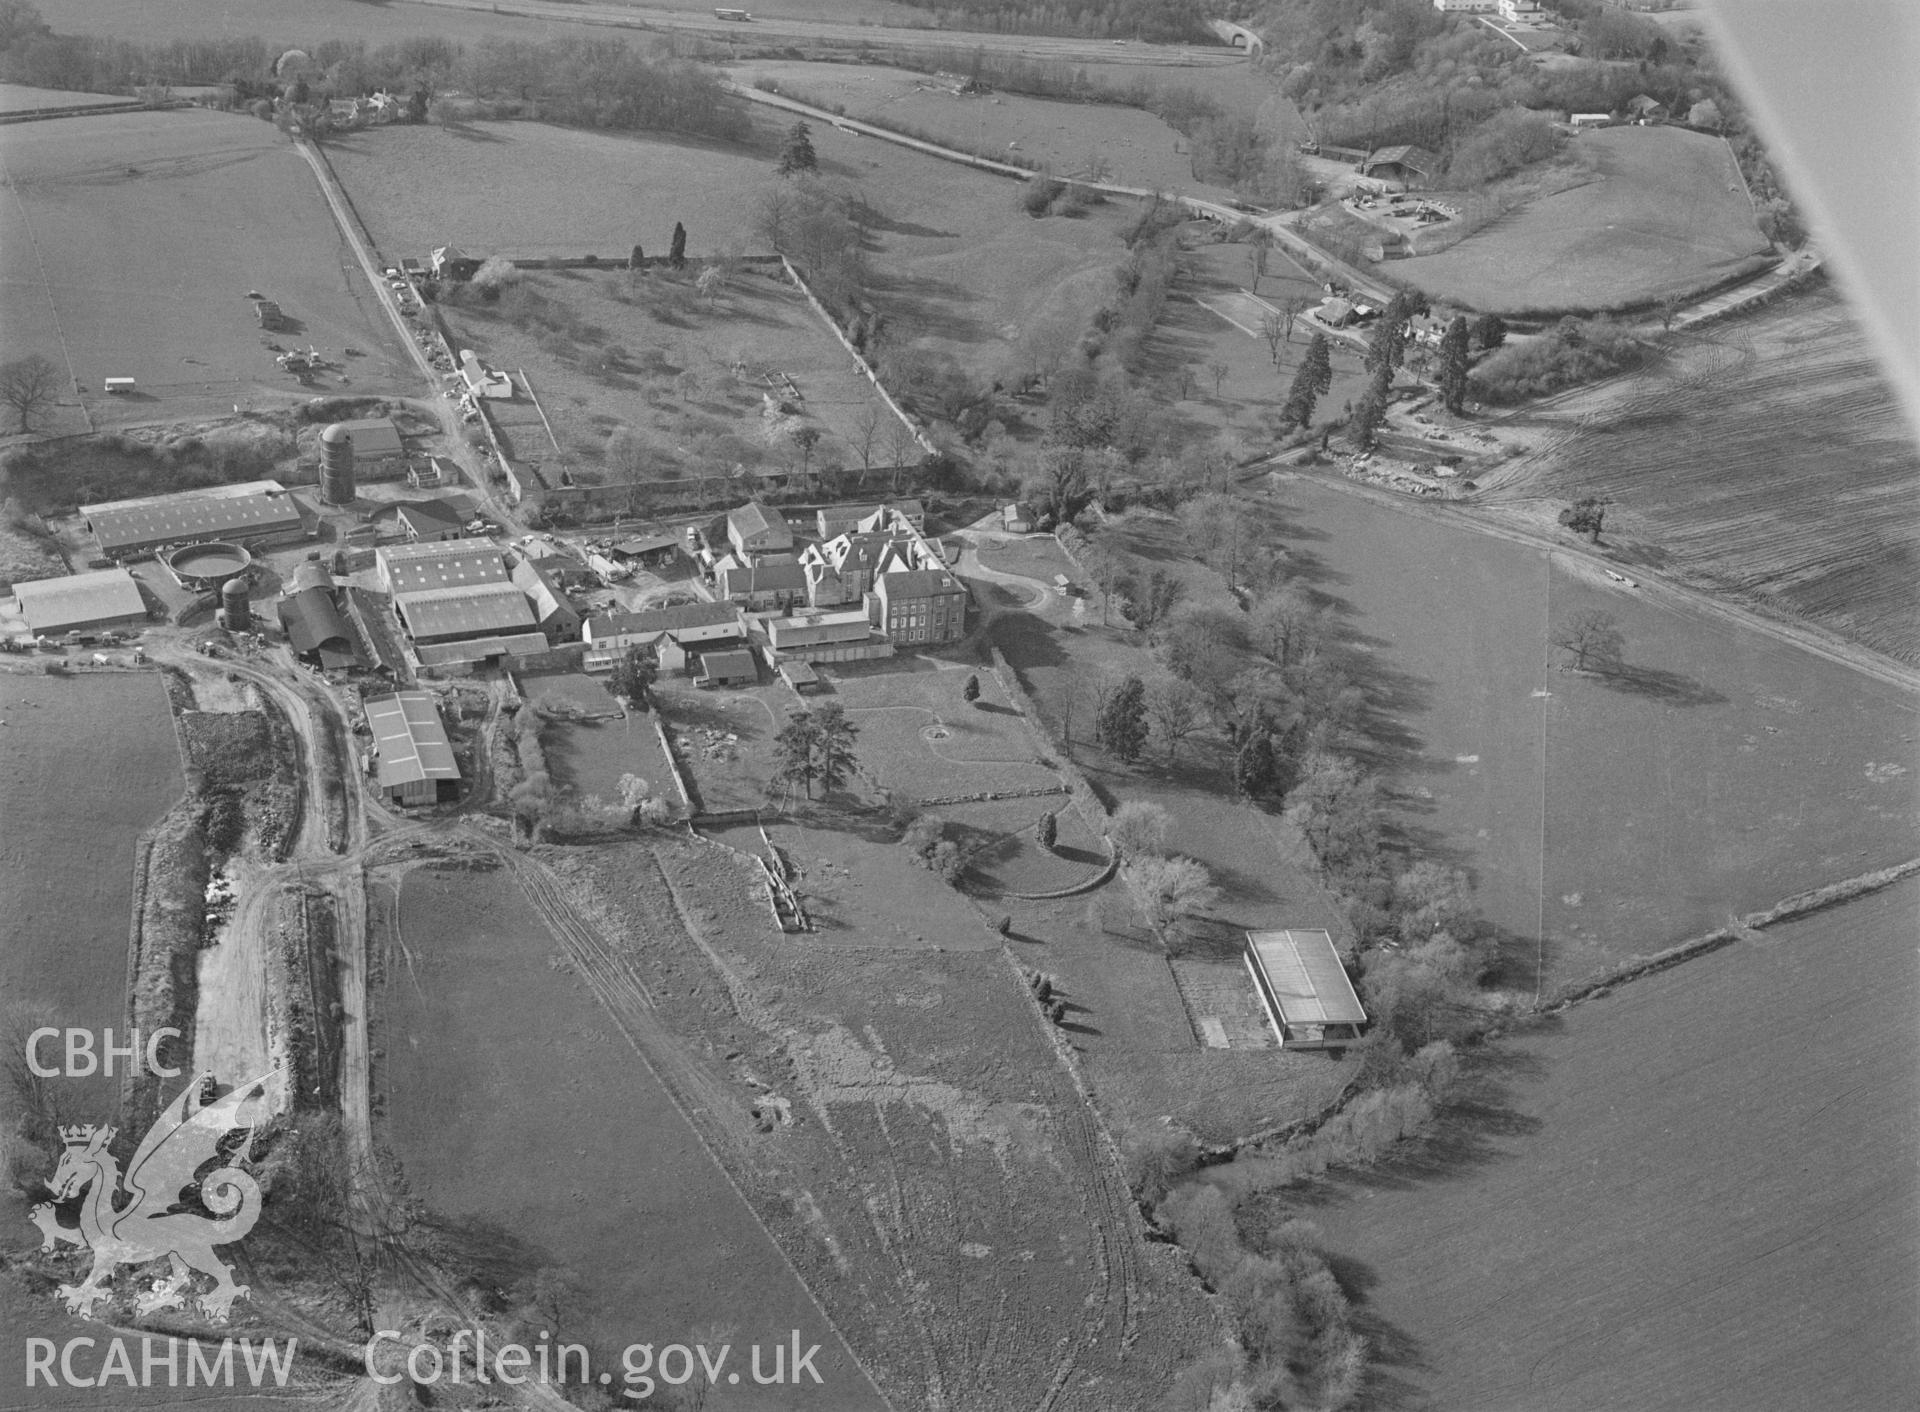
208, 566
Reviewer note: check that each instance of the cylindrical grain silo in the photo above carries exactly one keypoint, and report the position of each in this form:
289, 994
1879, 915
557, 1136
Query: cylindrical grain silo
233, 603
336, 466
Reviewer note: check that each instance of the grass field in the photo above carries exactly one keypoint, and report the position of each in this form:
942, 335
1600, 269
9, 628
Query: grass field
656, 381
920, 740
19, 98
1719, 772
87, 764
1665, 214
942, 1175
1192, 336
1069, 139
589, 756
170, 309
516, 1104
1696, 1193
955, 265
1766, 458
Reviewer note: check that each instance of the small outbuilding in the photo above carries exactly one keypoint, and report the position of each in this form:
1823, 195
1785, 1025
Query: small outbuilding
1019, 518
431, 522
1305, 989
735, 668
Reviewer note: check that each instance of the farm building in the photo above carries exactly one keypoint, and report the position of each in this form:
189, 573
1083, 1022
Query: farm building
834, 520
449, 262
799, 675
1401, 163
1019, 518
1305, 989
1646, 109
412, 758
251, 513
376, 440
434, 473
551, 610
469, 611
1592, 119
764, 586
415, 568
309, 573
481, 651
659, 551
690, 623
732, 668
846, 636
317, 630
921, 606
430, 521
754, 530
104, 601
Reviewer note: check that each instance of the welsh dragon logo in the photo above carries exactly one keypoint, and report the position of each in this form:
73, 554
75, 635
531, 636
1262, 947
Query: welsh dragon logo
153, 1223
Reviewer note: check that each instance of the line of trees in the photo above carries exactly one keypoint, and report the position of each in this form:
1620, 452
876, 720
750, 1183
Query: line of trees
578, 80
1164, 21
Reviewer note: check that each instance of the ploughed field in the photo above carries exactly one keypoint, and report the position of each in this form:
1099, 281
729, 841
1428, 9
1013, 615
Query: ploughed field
1765, 458
1717, 771
85, 765
1665, 214
527, 1123
169, 308
1698, 1192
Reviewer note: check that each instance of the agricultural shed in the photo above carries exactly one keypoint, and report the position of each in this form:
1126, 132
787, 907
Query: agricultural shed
374, 439
413, 758
1402, 162
1647, 108
416, 568
732, 668
693, 623
107, 600
309, 573
482, 651
1308, 997
652, 550
1018, 518
471, 610
250, 512
555, 615
426, 521
318, 631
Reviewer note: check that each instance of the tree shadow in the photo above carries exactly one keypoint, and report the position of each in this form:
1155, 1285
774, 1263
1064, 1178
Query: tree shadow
1658, 684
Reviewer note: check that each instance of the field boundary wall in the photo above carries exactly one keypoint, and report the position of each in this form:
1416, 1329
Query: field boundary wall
858, 358
673, 768
1791, 909
1086, 800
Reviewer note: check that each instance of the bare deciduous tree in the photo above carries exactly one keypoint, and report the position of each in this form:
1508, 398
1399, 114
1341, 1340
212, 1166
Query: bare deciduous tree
1593, 640
27, 385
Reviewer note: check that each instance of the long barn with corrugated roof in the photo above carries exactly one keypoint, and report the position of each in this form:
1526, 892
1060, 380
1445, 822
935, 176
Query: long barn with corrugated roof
413, 759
